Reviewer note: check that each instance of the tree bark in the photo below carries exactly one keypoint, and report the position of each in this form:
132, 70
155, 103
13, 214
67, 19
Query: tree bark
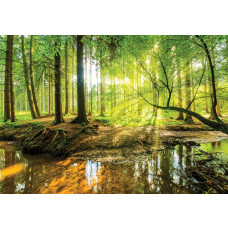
80, 83
205, 89
28, 87
211, 65
7, 101
102, 89
188, 117
32, 76
72, 80
12, 99
91, 89
49, 92
180, 114
58, 105
66, 79
97, 74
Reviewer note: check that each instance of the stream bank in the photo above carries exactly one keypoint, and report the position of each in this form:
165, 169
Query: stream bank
66, 139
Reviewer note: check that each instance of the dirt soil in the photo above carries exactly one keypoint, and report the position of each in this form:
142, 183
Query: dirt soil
66, 139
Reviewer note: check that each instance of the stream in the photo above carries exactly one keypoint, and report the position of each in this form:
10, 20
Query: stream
158, 172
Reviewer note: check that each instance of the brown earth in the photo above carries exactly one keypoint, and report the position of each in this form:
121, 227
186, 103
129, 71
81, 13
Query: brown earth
66, 138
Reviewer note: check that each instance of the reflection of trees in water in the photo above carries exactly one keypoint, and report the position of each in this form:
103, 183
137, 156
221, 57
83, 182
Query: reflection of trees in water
154, 173
9, 182
180, 153
188, 156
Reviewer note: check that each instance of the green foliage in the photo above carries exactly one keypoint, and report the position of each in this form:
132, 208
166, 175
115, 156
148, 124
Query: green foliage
133, 68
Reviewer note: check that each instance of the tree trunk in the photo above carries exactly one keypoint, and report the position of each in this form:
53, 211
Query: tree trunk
66, 79
211, 65
192, 86
205, 90
12, 108
91, 89
28, 87
49, 92
43, 92
72, 80
85, 82
188, 117
7, 101
97, 74
32, 76
58, 105
80, 83
102, 89
180, 114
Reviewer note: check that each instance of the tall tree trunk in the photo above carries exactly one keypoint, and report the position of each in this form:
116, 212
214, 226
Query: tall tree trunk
85, 83
211, 65
49, 92
114, 93
91, 89
80, 83
58, 105
66, 79
26, 101
218, 107
32, 76
139, 106
97, 74
102, 89
12, 107
72, 80
188, 117
192, 87
43, 92
28, 87
180, 114
111, 100
205, 89
8, 73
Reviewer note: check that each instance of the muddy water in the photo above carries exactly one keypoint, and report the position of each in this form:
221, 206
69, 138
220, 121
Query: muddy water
158, 172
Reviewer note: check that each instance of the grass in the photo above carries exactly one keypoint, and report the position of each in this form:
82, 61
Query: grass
20, 117
125, 119
163, 118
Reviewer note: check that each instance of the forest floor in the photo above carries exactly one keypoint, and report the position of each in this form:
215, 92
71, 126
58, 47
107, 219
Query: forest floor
100, 140
39, 136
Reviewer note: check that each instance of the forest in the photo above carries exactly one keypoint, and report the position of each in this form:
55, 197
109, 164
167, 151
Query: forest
118, 106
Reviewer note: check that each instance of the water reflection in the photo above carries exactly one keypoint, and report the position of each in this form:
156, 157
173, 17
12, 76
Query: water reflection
158, 172
220, 146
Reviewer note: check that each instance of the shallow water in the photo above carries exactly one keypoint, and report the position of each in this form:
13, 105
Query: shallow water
158, 172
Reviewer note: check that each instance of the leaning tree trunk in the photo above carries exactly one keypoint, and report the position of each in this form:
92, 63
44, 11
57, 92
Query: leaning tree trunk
58, 105
7, 102
32, 76
28, 87
80, 83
